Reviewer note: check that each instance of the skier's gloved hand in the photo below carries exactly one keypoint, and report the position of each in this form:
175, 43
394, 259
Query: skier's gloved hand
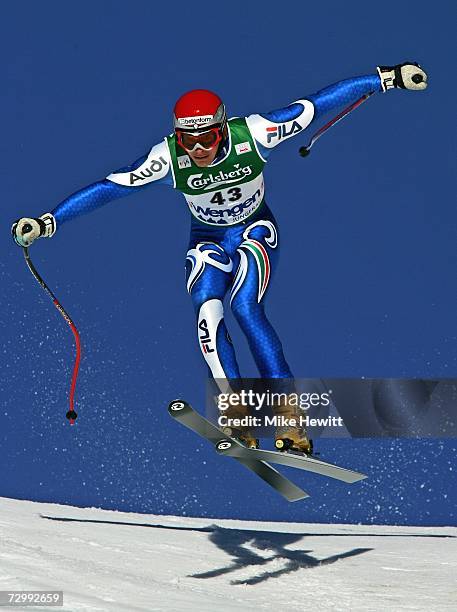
26, 229
408, 75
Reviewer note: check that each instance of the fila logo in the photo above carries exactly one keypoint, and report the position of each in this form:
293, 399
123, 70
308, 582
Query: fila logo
205, 339
183, 161
243, 147
280, 131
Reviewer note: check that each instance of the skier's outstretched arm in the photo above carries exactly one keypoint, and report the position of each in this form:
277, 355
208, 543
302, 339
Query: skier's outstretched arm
272, 128
151, 168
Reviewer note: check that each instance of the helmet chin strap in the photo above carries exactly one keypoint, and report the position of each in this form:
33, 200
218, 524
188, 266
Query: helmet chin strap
223, 142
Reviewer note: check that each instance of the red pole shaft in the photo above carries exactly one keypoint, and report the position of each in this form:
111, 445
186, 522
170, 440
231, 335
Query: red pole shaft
71, 415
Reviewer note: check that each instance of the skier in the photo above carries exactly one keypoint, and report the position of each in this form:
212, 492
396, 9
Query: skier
217, 164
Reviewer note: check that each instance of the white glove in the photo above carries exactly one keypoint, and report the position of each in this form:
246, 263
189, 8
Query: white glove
408, 75
26, 230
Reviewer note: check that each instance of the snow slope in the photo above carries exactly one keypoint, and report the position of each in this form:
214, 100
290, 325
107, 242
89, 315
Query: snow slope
117, 561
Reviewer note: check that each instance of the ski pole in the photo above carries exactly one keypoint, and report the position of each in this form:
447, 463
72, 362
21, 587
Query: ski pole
71, 414
304, 151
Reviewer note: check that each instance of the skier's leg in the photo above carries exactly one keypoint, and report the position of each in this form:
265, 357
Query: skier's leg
208, 272
257, 255
208, 278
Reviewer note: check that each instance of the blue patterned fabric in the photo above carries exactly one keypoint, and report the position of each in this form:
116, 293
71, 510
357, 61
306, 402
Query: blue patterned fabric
343, 93
329, 99
236, 244
98, 194
88, 199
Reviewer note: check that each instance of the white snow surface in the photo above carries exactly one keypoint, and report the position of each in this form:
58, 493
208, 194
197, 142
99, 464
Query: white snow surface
118, 561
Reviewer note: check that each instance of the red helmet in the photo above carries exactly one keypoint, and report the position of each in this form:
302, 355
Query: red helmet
199, 110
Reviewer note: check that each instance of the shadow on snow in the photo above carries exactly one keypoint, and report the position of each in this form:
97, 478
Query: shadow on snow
244, 545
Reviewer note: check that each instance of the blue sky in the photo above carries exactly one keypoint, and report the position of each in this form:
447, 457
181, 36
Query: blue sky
366, 282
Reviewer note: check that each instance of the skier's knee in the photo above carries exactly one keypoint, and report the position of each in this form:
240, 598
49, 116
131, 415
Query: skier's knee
200, 297
246, 309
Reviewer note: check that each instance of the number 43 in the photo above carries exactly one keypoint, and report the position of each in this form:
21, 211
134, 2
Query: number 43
218, 198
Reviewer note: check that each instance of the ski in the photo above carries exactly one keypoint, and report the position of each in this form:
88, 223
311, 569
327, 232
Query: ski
182, 412
233, 448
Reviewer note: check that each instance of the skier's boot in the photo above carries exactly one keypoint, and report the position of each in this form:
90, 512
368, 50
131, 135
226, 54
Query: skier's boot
246, 438
291, 437
242, 434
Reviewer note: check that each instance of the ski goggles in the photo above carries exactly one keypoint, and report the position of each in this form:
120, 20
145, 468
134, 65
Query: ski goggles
205, 140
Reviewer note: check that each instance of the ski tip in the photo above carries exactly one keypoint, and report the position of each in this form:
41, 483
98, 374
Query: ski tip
178, 405
353, 477
299, 496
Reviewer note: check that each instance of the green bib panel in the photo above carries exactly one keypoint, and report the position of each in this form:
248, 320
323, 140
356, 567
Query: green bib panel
228, 191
